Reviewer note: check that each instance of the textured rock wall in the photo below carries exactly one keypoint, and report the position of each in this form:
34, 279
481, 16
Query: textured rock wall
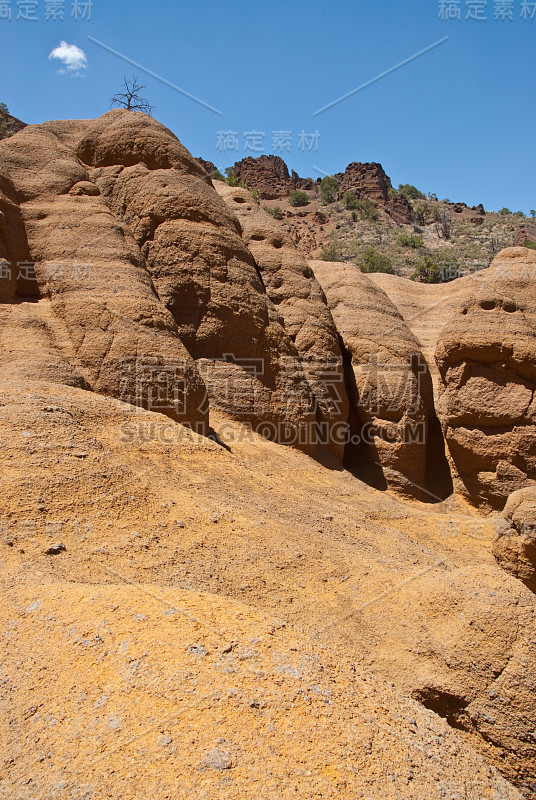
293, 289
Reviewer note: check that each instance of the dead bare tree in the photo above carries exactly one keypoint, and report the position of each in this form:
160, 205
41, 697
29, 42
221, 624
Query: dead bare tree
130, 97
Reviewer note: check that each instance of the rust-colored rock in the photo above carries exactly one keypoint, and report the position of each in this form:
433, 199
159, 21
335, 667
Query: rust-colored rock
9, 125
269, 175
208, 166
370, 182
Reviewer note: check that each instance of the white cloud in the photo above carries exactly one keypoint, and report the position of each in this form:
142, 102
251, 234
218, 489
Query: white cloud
73, 58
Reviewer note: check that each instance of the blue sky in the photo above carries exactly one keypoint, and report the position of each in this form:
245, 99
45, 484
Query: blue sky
459, 121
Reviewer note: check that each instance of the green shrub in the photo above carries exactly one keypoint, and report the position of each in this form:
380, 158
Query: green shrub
276, 212
231, 180
217, 176
372, 261
519, 214
354, 216
504, 211
4, 108
411, 192
256, 195
532, 212
392, 192
330, 252
409, 240
350, 200
328, 189
298, 198
367, 210
427, 271
528, 243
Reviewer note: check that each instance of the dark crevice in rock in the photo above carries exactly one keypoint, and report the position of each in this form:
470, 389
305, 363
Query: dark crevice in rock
451, 707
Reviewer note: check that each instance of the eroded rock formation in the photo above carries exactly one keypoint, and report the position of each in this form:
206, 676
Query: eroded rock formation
173, 290
515, 543
293, 289
388, 382
370, 182
126, 275
269, 175
486, 356
144, 273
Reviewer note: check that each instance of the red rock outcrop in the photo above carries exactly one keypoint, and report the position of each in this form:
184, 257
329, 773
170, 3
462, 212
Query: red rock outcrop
370, 182
208, 166
269, 175
9, 124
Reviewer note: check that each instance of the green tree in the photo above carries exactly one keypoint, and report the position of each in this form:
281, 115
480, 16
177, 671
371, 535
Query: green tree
328, 189
230, 180
298, 198
411, 192
504, 212
372, 261
532, 212
217, 176
4, 123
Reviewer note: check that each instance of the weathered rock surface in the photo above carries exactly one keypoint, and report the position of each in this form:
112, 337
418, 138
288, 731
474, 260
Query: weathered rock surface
147, 273
112, 329
478, 336
151, 288
293, 289
173, 293
208, 166
487, 360
270, 176
151, 614
370, 182
388, 382
9, 125
515, 544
